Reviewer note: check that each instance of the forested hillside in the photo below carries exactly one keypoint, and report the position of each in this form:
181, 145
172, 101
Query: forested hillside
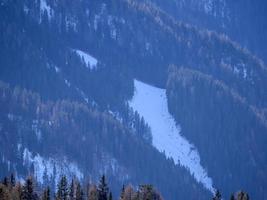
235, 130
170, 93
70, 138
73, 189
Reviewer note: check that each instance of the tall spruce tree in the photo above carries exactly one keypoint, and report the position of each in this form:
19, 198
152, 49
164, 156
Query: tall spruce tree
232, 197
72, 190
217, 195
79, 192
28, 190
12, 180
242, 196
46, 194
103, 189
122, 192
110, 196
62, 192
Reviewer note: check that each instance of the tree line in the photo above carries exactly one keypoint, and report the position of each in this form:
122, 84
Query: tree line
10, 189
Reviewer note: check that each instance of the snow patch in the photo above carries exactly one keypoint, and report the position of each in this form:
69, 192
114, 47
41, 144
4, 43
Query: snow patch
67, 82
56, 69
151, 103
50, 168
208, 6
26, 9
44, 7
89, 60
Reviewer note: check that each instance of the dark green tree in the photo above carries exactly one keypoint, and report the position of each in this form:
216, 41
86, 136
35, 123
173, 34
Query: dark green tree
5, 181
232, 197
79, 192
242, 196
46, 194
217, 195
62, 192
122, 192
28, 190
72, 190
12, 180
102, 189
110, 196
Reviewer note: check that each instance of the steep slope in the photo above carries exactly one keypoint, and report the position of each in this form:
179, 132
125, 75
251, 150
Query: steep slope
242, 20
151, 103
91, 51
229, 133
69, 137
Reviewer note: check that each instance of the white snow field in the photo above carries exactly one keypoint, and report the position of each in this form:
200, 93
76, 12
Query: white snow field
151, 103
89, 60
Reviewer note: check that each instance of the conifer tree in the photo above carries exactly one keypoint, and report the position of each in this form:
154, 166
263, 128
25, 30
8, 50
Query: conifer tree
217, 195
28, 190
79, 192
12, 180
62, 193
110, 196
72, 190
46, 194
232, 197
5, 182
122, 192
103, 189
242, 196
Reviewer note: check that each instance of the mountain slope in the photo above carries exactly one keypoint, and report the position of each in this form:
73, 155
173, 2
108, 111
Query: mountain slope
229, 133
90, 53
151, 103
69, 137
242, 20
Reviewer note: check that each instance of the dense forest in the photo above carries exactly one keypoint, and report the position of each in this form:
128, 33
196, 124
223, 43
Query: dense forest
61, 115
72, 189
188, 94
97, 140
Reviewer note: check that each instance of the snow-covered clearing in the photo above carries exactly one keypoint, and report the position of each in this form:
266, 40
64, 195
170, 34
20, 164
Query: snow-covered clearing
89, 60
151, 103
50, 168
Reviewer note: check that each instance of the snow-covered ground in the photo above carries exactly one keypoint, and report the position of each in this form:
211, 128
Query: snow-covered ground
44, 7
50, 167
89, 60
151, 103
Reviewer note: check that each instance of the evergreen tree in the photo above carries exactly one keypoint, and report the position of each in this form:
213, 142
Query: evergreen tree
12, 180
5, 182
46, 194
217, 195
28, 190
146, 192
242, 196
232, 197
122, 192
103, 189
79, 192
72, 190
62, 193
110, 196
